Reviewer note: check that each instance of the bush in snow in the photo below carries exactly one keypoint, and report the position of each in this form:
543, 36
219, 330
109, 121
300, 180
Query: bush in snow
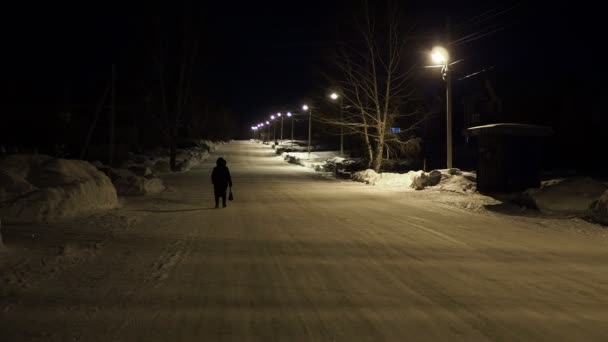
599, 213
573, 196
39, 188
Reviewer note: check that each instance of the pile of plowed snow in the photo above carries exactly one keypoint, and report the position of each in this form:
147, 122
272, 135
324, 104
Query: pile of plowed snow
573, 196
371, 177
448, 180
455, 180
599, 212
157, 159
39, 188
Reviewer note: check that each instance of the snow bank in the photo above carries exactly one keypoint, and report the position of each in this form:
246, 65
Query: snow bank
129, 183
368, 176
39, 188
573, 196
452, 180
190, 158
423, 179
371, 177
157, 160
599, 213
455, 180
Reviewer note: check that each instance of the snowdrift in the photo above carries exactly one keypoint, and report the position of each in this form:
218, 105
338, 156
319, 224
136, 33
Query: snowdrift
130, 183
449, 180
574, 196
371, 177
599, 212
157, 160
39, 188
455, 180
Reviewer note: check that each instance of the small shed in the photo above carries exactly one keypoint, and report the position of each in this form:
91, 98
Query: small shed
508, 156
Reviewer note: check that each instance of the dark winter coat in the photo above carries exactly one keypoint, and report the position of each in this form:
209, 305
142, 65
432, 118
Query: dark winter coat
220, 177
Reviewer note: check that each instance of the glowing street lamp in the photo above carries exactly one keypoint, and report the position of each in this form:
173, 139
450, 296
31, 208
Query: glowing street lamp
441, 57
290, 116
279, 114
274, 129
309, 109
334, 96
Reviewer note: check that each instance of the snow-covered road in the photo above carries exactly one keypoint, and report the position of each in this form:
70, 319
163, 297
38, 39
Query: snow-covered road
300, 258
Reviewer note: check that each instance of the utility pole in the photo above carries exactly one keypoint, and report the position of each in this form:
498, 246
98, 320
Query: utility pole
282, 128
309, 128
448, 100
292, 118
112, 116
341, 127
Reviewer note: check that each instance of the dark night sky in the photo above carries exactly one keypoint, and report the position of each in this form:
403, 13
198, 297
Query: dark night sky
262, 55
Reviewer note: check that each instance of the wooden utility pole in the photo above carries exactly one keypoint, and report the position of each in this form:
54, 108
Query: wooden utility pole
448, 100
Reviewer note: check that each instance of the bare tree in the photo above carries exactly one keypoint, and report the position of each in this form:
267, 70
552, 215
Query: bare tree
375, 84
175, 64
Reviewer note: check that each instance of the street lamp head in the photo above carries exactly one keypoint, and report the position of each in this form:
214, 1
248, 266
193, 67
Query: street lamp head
334, 96
272, 117
279, 114
440, 55
305, 107
289, 114
268, 122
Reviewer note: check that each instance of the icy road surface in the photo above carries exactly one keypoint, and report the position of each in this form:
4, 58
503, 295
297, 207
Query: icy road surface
300, 258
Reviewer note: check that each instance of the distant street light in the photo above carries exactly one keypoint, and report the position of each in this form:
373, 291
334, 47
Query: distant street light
309, 109
441, 56
334, 97
267, 130
290, 116
281, 126
274, 129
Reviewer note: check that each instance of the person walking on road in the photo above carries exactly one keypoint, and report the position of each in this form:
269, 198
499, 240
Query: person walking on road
220, 177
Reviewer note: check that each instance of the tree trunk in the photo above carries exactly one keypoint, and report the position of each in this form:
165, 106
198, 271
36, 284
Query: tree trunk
377, 164
370, 151
379, 148
173, 149
172, 155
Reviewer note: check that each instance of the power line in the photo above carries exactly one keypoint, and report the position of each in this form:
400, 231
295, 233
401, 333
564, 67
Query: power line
485, 16
475, 36
478, 72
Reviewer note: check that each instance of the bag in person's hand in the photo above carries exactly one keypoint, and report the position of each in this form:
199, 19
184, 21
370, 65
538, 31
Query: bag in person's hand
230, 196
